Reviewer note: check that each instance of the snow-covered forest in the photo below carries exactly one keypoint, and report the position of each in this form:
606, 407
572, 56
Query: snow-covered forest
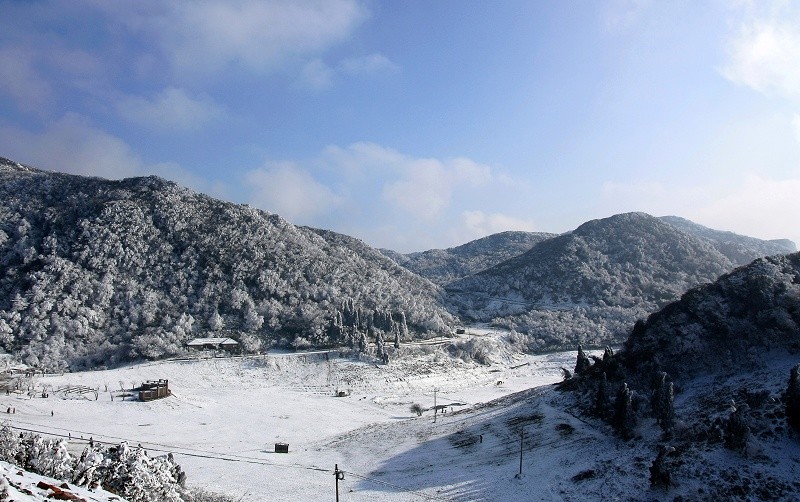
590, 285
96, 272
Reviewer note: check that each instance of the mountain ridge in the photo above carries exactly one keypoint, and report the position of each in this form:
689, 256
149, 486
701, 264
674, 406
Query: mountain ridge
100, 272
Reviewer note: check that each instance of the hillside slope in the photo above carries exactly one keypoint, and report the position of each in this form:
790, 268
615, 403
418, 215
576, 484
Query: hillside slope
736, 323
589, 285
708, 381
98, 272
740, 249
442, 266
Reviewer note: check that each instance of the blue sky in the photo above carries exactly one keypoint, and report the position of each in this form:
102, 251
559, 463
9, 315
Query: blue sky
418, 124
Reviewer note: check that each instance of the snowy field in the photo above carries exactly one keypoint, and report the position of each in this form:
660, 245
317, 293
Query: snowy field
226, 414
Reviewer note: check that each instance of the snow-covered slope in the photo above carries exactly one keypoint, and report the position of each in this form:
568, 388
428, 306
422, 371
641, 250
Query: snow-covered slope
740, 249
95, 272
443, 266
734, 324
21, 486
590, 285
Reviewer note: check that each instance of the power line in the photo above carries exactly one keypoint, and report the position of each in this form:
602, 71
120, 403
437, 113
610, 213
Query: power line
191, 452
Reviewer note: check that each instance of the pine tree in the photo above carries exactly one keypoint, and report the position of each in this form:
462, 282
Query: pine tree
793, 399
663, 403
624, 419
660, 474
737, 431
582, 364
602, 398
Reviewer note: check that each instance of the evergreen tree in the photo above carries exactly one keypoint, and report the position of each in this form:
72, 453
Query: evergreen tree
582, 364
659, 471
602, 397
624, 419
793, 399
663, 403
737, 430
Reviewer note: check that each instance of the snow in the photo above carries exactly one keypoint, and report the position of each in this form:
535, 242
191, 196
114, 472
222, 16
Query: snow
23, 486
226, 414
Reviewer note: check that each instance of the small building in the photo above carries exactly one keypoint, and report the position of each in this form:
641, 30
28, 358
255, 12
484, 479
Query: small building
154, 389
281, 447
227, 344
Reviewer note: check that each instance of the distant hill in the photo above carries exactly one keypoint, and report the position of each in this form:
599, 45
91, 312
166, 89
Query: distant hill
740, 249
96, 272
589, 285
731, 325
447, 265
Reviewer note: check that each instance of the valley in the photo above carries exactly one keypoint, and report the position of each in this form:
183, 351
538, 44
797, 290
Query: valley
226, 414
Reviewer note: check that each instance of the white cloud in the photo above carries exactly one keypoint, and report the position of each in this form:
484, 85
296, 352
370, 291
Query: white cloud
316, 74
206, 37
73, 145
759, 207
620, 15
796, 126
765, 52
21, 81
369, 65
388, 198
423, 190
171, 109
290, 191
480, 224
753, 205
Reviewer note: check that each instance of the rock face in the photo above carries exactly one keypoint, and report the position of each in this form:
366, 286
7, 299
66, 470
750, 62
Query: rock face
96, 272
731, 325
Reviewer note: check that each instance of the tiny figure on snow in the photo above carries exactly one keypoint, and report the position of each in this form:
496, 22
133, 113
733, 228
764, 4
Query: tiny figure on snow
52, 413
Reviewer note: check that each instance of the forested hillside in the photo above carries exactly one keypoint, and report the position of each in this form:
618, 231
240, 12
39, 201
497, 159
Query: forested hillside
731, 325
740, 249
708, 387
443, 266
591, 284
99, 272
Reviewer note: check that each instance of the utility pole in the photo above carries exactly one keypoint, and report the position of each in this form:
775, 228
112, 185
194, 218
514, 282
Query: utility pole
339, 475
435, 409
521, 439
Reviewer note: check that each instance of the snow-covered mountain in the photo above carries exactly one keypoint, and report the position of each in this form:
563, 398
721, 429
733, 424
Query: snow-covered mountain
707, 390
734, 324
96, 272
740, 249
589, 285
443, 266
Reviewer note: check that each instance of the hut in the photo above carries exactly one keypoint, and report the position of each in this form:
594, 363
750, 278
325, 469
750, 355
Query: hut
154, 389
227, 344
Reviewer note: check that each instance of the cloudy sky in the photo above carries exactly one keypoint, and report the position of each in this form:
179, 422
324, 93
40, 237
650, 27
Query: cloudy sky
421, 124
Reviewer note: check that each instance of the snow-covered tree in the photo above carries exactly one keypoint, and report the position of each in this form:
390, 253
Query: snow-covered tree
624, 419
793, 398
662, 403
582, 363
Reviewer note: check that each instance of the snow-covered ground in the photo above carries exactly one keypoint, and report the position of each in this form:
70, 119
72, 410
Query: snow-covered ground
226, 414
21, 486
